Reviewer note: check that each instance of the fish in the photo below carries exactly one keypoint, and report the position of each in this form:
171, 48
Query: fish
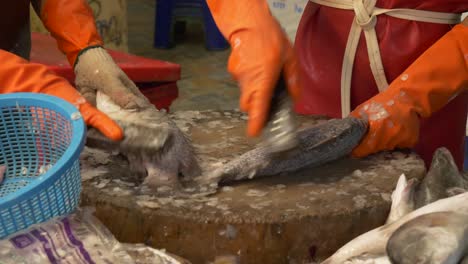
434, 238
319, 144
369, 259
442, 180
402, 199
374, 242
153, 145
402, 204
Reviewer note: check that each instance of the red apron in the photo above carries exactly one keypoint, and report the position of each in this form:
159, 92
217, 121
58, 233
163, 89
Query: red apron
321, 41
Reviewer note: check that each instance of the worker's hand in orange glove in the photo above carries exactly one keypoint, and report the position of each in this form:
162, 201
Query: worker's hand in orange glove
19, 75
95, 71
72, 24
438, 75
260, 50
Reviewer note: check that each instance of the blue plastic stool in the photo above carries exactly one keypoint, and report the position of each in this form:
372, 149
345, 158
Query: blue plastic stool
168, 10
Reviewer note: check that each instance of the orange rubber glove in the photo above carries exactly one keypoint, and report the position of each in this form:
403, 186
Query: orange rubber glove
71, 23
260, 50
437, 76
19, 75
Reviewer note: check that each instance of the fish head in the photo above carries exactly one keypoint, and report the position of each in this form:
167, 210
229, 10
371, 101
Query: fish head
431, 238
153, 144
443, 175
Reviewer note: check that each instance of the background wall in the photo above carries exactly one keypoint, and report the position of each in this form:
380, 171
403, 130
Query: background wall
288, 13
111, 19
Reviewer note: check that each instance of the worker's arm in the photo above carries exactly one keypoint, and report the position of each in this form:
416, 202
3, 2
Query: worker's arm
437, 76
260, 50
19, 75
72, 24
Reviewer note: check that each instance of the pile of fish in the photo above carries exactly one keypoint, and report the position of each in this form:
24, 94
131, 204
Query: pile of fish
428, 222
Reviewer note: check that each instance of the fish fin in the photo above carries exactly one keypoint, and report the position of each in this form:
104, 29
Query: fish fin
402, 198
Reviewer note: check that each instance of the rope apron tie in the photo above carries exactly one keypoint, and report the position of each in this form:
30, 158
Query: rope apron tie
365, 20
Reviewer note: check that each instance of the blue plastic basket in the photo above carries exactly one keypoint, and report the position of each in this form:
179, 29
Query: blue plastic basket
41, 138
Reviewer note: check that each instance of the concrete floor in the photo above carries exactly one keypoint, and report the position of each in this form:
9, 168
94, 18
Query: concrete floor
205, 83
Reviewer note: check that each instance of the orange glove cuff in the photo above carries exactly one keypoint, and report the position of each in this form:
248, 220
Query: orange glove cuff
72, 24
18, 75
438, 75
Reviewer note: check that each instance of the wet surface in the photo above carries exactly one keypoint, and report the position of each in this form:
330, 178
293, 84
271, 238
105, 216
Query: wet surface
266, 220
